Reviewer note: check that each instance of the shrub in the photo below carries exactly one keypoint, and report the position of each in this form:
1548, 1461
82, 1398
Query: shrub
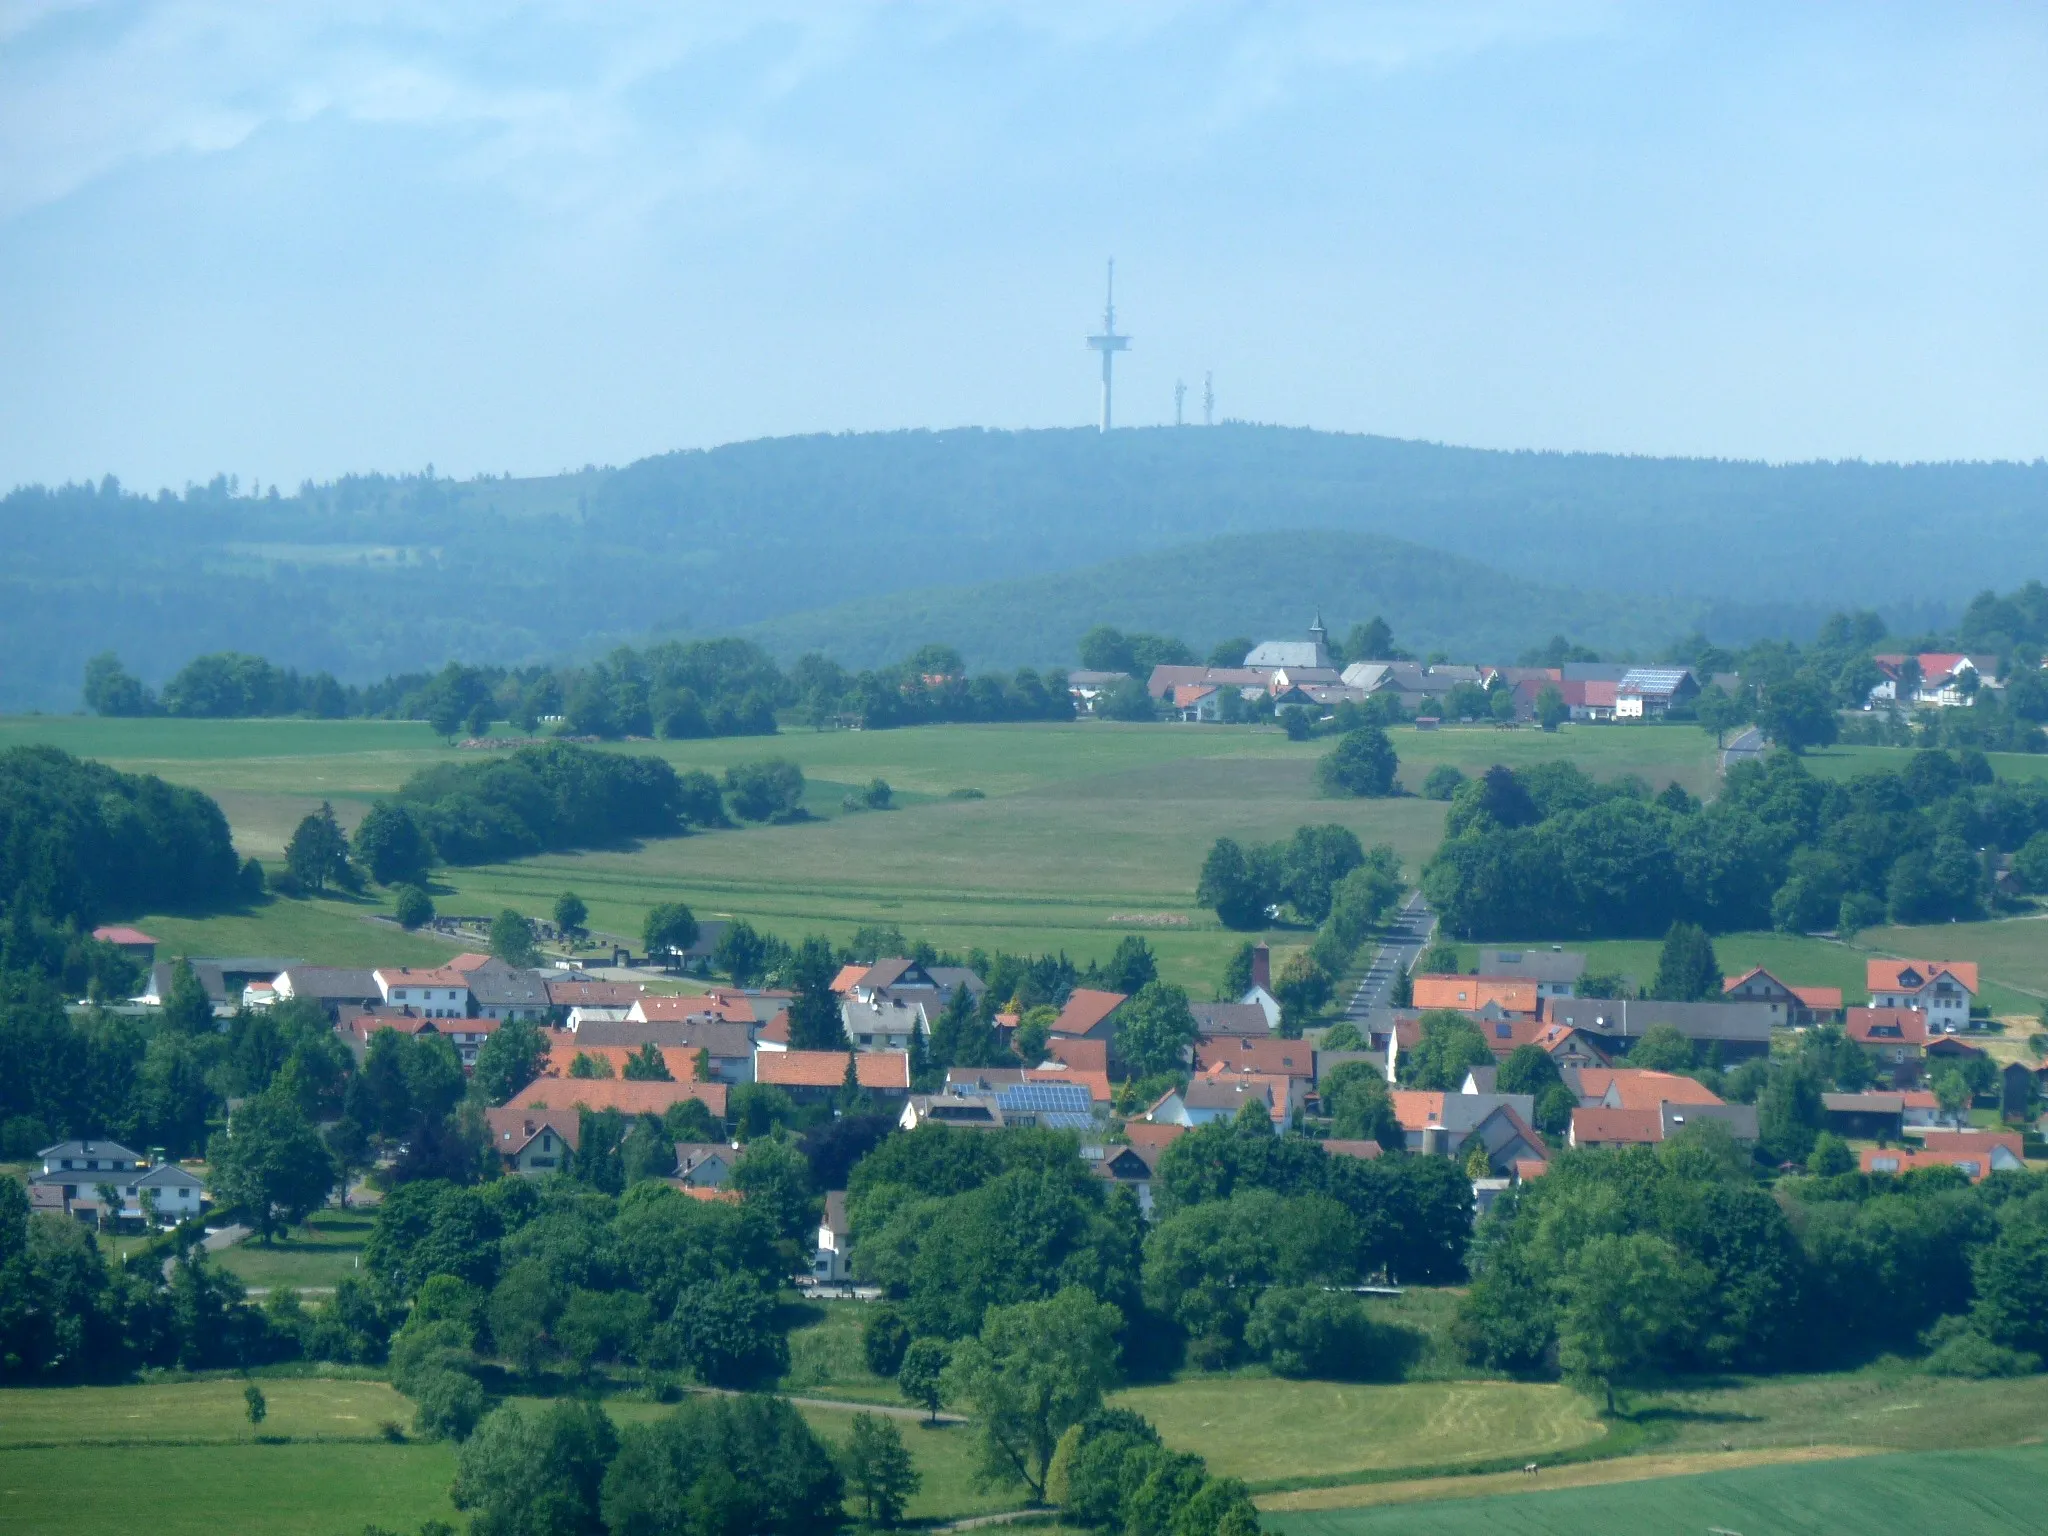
414, 907
1442, 783
447, 1404
883, 1339
1304, 1331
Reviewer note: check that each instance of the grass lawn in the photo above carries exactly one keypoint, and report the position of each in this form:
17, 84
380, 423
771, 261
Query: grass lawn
1266, 1429
197, 1412
1959, 1493
2014, 951
281, 1490
316, 1255
825, 1358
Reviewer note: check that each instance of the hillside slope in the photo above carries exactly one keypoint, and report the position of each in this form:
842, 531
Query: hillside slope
374, 573
1265, 585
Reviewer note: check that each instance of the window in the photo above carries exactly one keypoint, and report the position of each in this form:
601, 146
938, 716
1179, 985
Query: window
1501, 1031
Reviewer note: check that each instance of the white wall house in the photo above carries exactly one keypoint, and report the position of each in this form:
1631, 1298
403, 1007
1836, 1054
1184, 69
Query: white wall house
435, 994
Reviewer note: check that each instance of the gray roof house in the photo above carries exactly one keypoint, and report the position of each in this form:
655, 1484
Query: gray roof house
1740, 1030
332, 987
1555, 970
73, 1172
1313, 652
1230, 1019
501, 991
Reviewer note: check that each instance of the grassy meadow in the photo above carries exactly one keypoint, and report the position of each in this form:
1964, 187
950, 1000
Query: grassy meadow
1085, 832
1959, 1493
312, 1257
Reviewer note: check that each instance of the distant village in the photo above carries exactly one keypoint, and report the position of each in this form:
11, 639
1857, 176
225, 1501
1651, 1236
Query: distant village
1914, 1020
1279, 674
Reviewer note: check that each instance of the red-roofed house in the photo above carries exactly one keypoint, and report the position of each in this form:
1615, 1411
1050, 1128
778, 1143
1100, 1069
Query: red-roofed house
1789, 1005
132, 942
1152, 1137
534, 1142
1564, 1044
1509, 996
466, 1035
1977, 1154
848, 978
1604, 1127
1090, 1014
563, 1049
1079, 1053
1635, 1088
727, 1007
1941, 989
1941, 681
1895, 1039
1275, 1056
625, 1095
811, 1076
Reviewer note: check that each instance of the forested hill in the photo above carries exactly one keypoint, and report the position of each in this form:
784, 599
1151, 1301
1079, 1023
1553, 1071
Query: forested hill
376, 574
1261, 584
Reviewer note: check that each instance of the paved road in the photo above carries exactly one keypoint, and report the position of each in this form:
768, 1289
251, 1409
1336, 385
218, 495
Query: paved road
1406, 937
1744, 748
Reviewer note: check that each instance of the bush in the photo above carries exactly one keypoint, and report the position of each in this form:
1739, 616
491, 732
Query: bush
414, 907
1302, 1331
883, 1339
447, 1404
1958, 1349
1442, 783
769, 790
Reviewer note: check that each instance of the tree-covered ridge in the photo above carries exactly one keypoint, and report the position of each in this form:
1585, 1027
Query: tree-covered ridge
1548, 852
359, 578
79, 841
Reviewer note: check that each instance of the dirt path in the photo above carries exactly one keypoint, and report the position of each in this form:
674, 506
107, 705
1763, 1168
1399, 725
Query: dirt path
1584, 1474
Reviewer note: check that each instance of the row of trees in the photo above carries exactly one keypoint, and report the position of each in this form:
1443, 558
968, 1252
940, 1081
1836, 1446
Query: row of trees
1620, 1266
1547, 850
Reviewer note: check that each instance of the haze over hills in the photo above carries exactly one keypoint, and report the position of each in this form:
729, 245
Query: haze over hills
376, 574
1259, 585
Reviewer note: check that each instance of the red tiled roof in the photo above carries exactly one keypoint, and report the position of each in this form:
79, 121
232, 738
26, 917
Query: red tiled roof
776, 1030
122, 936
882, 1070
1085, 1009
1883, 975
1239, 1053
563, 1050
706, 1193
1082, 1055
1975, 1161
405, 976
1863, 1025
848, 978
1152, 1137
1417, 1110
1820, 999
1604, 1127
709, 1005
1367, 1150
1512, 994
468, 961
1640, 1089
1936, 1140
512, 1127
630, 1098
1527, 1168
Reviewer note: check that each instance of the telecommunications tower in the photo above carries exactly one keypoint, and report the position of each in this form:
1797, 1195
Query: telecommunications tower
1208, 399
1180, 394
1108, 343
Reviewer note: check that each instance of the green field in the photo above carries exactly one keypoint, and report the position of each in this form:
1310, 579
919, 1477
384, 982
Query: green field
1084, 827
1956, 1493
1267, 1430
1087, 832
85, 1459
313, 1257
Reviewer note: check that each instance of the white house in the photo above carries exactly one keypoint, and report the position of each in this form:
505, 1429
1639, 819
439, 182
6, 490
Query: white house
432, 994
74, 1171
832, 1263
1943, 990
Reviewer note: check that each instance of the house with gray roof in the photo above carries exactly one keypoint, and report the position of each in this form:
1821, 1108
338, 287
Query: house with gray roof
333, 987
500, 991
75, 1171
1739, 1030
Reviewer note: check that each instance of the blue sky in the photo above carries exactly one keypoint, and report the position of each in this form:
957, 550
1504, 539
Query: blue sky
292, 240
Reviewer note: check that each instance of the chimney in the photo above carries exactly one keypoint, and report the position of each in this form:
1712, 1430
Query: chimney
1262, 967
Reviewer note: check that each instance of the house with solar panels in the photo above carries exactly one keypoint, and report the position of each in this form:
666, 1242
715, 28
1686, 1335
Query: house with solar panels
1649, 693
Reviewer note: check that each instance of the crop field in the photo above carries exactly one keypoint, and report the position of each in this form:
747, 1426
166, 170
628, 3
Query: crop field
1264, 1429
1086, 831
1958, 1493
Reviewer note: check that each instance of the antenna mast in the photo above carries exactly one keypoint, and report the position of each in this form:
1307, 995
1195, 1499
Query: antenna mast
1208, 398
1109, 343
1180, 393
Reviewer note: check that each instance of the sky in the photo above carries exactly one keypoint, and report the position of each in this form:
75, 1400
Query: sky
293, 240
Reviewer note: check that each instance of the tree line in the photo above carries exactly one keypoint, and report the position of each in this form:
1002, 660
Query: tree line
1547, 851
1617, 1268
678, 690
